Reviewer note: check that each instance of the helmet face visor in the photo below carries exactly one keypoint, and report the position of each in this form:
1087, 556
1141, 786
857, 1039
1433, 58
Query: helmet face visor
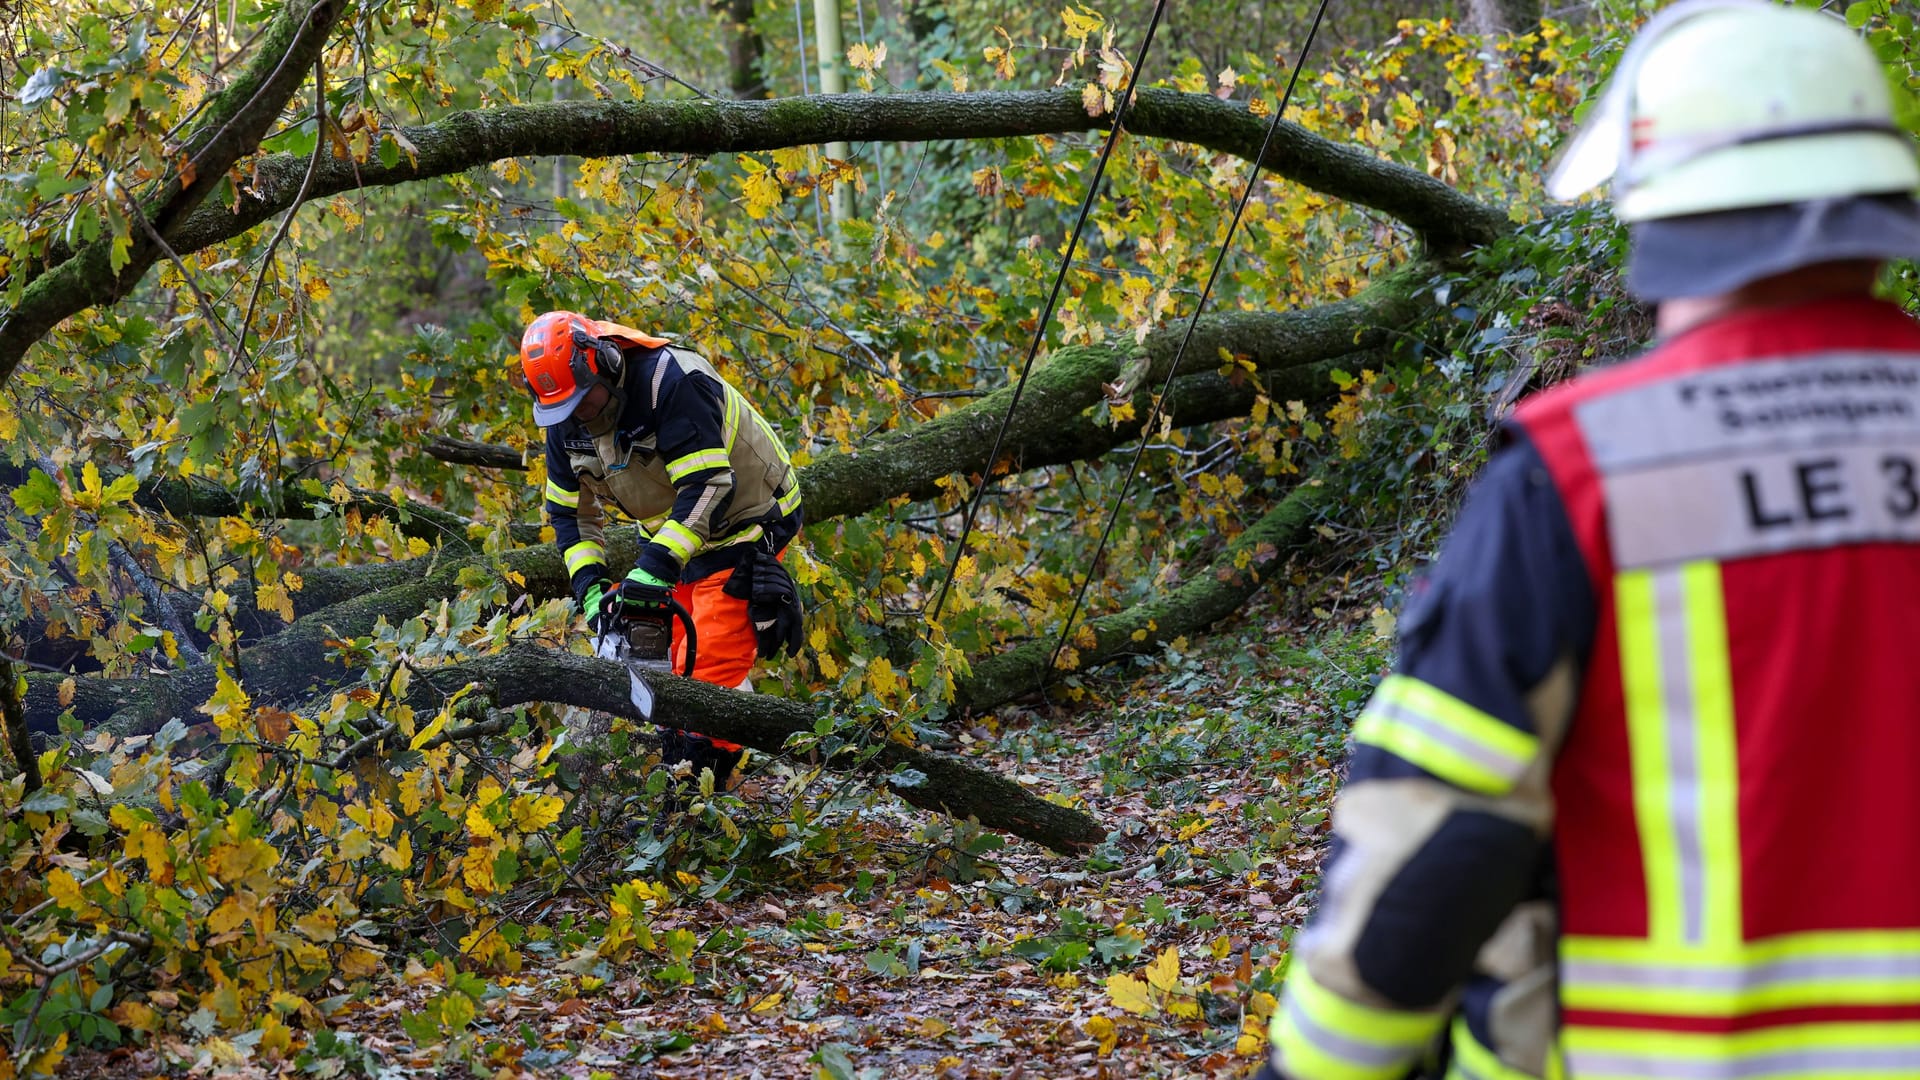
549, 413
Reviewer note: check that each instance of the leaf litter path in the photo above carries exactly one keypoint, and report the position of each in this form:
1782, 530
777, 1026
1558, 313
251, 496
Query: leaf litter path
1156, 956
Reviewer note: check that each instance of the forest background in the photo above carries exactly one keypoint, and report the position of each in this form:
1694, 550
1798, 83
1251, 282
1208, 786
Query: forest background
309, 772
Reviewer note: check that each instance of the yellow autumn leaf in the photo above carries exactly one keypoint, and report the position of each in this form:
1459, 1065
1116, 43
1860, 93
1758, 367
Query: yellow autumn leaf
1249, 1045
762, 192
399, 855
434, 727
1103, 1031
1130, 994
881, 678
65, 891
533, 812
1163, 973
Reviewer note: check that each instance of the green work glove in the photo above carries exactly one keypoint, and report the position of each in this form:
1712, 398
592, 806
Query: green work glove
641, 592
597, 606
637, 577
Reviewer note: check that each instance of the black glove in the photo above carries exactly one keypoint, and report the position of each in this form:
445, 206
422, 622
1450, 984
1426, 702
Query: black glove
773, 603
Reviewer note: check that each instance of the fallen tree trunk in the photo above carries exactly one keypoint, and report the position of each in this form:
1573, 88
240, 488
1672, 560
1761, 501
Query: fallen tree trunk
528, 673
1072, 380
1447, 220
1205, 598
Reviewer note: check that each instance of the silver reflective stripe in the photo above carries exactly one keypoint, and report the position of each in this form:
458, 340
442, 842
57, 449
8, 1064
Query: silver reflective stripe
1682, 747
660, 374
1799, 1061
1760, 457
1804, 401
1336, 1045
1759, 503
1505, 765
1743, 976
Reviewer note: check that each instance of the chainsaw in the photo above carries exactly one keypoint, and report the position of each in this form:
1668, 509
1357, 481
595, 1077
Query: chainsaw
642, 641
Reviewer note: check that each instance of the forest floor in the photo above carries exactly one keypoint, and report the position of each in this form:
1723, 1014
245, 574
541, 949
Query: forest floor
1156, 956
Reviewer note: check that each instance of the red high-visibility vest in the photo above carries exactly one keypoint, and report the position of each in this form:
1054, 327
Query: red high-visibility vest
1738, 830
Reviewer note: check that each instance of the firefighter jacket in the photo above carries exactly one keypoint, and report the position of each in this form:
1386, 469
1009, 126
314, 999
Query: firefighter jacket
1642, 796
690, 459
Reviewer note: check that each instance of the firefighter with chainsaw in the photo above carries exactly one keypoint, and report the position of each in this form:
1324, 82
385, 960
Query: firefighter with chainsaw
637, 423
1642, 795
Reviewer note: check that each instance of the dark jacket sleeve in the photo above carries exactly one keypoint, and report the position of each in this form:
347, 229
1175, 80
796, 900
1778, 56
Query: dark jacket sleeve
1440, 829
578, 521
690, 421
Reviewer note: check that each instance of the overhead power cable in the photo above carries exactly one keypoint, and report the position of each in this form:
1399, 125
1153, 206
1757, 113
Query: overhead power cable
1046, 313
1173, 369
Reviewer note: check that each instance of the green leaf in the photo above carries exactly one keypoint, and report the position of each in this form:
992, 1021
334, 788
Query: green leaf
1859, 14
38, 495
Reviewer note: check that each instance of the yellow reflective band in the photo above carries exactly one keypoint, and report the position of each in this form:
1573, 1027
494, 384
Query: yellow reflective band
679, 539
1318, 1035
772, 439
583, 554
1782, 1052
1836, 967
731, 416
1473, 1061
560, 496
1678, 690
1447, 737
682, 467
746, 535
788, 501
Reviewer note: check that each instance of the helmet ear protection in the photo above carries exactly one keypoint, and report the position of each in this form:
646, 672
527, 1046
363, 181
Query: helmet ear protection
595, 358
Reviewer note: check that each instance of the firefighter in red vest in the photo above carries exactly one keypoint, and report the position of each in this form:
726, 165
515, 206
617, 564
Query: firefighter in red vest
1641, 798
637, 423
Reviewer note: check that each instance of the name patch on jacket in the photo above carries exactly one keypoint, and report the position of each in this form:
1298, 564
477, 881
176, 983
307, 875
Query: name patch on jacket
1761, 457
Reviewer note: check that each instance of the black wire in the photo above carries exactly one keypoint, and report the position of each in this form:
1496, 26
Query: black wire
1173, 369
1046, 313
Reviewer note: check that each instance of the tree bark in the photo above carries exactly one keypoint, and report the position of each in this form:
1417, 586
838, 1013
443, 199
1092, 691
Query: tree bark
483, 455
237, 119
1205, 598
1074, 379
746, 51
1446, 219
528, 673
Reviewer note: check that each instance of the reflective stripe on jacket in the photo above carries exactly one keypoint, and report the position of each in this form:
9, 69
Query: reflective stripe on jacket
1641, 799
690, 459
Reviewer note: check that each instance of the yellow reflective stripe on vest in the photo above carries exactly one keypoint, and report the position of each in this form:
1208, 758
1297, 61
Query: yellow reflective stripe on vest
583, 554
682, 467
1678, 690
1834, 967
730, 415
560, 496
789, 500
679, 539
1783, 1052
1318, 1035
1445, 736
1474, 1061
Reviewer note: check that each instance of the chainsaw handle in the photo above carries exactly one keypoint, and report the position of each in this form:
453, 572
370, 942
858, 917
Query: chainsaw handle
693, 638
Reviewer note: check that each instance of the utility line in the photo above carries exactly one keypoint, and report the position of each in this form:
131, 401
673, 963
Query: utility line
1173, 369
1046, 313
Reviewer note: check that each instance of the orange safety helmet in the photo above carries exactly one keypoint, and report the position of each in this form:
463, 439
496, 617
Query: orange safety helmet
560, 358
562, 354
